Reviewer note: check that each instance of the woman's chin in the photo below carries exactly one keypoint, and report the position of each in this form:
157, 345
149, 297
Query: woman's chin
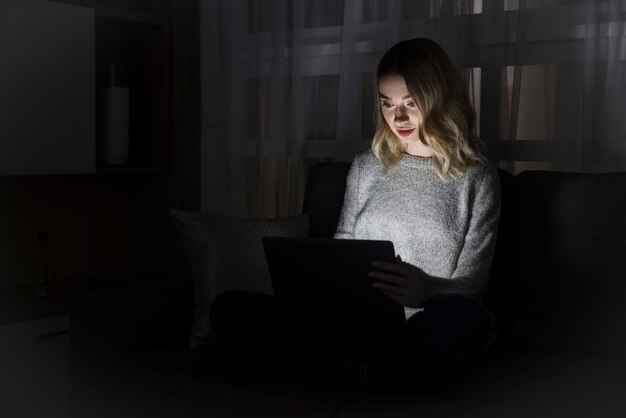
408, 141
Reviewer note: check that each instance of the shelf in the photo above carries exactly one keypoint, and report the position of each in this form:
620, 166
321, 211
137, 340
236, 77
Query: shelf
19, 303
140, 53
125, 170
130, 16
119, 12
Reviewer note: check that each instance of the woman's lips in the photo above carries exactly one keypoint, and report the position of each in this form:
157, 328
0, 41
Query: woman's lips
405, 132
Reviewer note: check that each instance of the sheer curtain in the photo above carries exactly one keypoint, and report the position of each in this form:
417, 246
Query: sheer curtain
286, 83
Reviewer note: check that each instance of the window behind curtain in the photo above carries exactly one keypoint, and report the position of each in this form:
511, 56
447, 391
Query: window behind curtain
544, 76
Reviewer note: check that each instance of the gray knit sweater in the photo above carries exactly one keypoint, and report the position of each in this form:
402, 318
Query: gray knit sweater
446, 230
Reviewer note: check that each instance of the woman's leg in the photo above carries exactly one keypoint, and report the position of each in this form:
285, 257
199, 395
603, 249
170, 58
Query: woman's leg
253, 323
448, 334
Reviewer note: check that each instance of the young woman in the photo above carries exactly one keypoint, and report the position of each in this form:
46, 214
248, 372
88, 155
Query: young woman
425, 185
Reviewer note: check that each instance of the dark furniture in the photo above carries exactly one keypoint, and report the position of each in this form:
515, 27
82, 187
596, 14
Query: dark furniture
557, 286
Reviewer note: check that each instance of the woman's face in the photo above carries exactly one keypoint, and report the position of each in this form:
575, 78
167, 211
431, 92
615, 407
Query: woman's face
399, 108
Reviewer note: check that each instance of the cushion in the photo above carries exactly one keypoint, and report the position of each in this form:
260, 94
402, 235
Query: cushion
226, 253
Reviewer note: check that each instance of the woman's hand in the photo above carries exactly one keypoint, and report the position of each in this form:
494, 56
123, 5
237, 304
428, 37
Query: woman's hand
395, 279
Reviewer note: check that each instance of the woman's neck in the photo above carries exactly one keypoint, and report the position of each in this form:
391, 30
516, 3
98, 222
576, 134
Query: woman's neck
418, 149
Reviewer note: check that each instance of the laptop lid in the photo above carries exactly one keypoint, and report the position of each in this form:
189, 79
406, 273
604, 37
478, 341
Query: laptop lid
327, 279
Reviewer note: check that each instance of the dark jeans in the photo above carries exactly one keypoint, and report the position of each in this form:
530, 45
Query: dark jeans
451, 332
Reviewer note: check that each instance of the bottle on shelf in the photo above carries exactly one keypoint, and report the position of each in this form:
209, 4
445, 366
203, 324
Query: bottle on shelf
114, 121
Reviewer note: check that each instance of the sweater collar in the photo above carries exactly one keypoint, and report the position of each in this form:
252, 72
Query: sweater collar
417, 162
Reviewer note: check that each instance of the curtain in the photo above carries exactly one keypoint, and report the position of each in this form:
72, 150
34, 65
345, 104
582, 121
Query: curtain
286, 83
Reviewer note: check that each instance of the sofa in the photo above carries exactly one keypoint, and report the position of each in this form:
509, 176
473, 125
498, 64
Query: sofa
557, 287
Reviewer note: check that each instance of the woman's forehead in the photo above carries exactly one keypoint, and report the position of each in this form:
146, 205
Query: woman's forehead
392, 86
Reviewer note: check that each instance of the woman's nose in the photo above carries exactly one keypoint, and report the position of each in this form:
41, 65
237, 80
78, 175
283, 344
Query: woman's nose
401, 113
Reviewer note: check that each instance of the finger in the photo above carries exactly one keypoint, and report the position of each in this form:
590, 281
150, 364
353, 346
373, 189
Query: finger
402, 269
395, 298
390, 289
390, 278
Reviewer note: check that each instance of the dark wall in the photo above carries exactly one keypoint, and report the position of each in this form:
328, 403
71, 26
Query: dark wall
113, 226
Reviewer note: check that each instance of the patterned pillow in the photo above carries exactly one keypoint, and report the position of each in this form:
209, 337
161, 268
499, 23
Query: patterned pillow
227, 253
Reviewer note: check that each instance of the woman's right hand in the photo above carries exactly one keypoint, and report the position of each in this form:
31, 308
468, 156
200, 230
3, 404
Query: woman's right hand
395, 279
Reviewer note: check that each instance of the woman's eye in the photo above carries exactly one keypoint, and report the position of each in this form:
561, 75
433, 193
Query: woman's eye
386, 104
411, 104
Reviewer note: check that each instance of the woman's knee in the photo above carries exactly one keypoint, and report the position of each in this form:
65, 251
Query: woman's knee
463, 320
225, 305
231, 305
458, 307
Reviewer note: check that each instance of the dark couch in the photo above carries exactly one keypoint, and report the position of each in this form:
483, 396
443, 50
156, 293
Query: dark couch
557, 286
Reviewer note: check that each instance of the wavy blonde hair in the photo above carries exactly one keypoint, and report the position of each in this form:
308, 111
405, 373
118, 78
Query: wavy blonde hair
440, 94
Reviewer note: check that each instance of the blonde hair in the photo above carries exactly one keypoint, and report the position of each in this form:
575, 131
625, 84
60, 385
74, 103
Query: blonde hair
439, 92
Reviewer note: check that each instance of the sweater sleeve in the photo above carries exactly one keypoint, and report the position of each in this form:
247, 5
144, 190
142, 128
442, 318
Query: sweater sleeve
474, 261
347, 219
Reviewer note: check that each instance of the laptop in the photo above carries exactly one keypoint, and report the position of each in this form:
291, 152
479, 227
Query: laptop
325, 281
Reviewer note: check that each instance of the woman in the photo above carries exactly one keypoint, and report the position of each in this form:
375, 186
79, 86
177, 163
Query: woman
426, 186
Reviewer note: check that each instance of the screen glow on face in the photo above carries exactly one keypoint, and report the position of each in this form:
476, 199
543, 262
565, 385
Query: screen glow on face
398, 108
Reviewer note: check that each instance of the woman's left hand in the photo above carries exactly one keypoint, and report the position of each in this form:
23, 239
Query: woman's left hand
395, 279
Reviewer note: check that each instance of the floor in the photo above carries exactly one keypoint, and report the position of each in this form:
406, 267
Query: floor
35, 368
